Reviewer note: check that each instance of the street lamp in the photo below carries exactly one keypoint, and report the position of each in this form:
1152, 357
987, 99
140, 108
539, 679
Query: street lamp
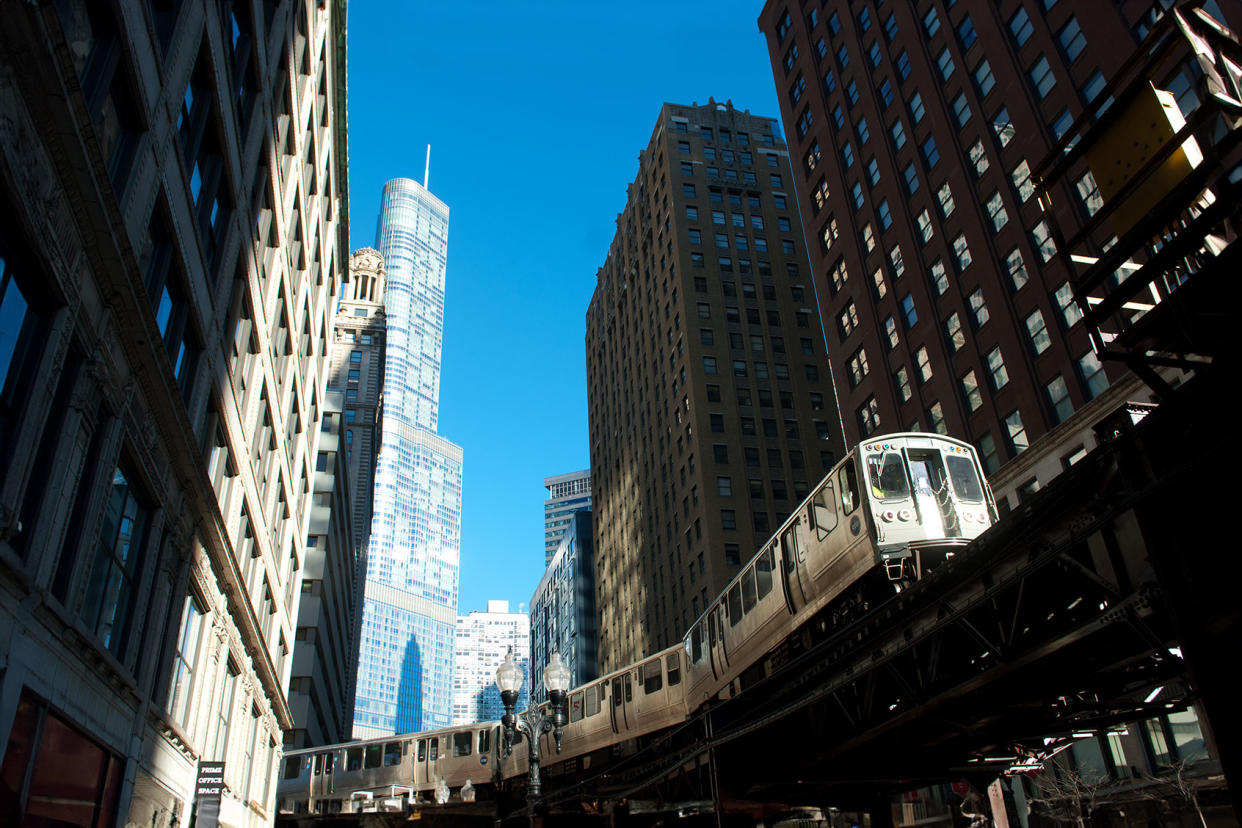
533, 721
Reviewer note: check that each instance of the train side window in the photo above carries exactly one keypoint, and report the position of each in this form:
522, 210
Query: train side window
485, 742
616, 692
748, 590
293, 767
575, 706
735, 605
373, 756
392, 754
848, 482
353, 759
696, 644
672, 665
653, 679
823, 511
629, 688
329, 760
318, 767
461, 743
422, 750
435, 747
763, 573
594, 697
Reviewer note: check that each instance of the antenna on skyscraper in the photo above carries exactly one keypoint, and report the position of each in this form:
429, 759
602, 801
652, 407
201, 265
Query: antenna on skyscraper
427, 169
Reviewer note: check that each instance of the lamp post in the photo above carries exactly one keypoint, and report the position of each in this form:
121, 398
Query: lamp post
533, 722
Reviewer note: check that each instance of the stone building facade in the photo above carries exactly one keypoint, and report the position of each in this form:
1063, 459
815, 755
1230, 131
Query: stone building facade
173, 228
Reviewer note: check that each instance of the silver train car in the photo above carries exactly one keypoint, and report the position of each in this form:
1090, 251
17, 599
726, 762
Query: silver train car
893, 508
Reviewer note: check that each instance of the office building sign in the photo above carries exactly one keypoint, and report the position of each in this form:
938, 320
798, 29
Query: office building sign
207, 787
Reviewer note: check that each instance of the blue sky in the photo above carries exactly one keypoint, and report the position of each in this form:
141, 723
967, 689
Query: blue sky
535, 113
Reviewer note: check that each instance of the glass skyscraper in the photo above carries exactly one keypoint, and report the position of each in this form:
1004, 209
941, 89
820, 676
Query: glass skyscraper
409, 615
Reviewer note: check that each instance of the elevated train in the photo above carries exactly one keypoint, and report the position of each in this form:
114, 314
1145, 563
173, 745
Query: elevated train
894, 507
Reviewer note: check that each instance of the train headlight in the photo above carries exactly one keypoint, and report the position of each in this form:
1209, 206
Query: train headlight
968, 517
905, 515
982, 517
888, 515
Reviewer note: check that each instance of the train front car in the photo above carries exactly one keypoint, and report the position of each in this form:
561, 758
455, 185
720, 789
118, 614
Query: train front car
927, 498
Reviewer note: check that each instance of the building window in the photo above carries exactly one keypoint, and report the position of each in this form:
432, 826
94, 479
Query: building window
979, 308
1038, 332
923, 360
996, 368
984, 78
1016, 268
720, 452
868, 237
898, 263
1072, 40
1021, 176
899, 134
890, 331
996, 210
185, 659
856, 194
912, 178
902, 381
930, 152
939, 277
687, 190
829, 234
886, 93
953, 330
961, 252
1092, 372
903, 64
1043, 240
885, 215
978, 157
1018, 441
1059, 398
931, 22
874, 54
926, 231
987, 453
890, 26
970, 391
961, 109
709, 365
945, 62
869, 416
935, 417
916, 107
1003, 127
1041, 77
1092, 89
945, 196
847, 320
1020, 26
858, 367
1089, 192
966, 33
907, 308
118, 560
1070, 311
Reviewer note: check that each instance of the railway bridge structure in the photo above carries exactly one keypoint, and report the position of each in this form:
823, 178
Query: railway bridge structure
1119, 577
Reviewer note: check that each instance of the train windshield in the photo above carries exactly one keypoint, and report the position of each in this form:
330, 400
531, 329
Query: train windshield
964, 477
887, 473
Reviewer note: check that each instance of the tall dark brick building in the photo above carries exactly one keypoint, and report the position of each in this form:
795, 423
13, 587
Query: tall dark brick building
710, 405
914, 129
